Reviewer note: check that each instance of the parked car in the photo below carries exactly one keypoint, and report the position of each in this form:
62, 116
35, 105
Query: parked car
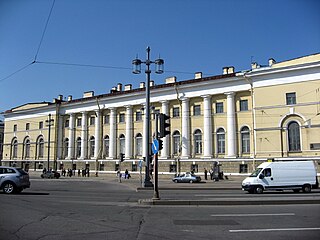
186, 178
50, 174
13, 180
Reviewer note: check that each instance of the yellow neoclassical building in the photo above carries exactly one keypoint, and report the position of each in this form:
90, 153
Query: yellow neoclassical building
236, 119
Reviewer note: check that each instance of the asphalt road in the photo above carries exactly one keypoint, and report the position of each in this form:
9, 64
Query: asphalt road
105, 209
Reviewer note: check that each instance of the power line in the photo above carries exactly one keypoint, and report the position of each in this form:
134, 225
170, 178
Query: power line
44, 31
17, 71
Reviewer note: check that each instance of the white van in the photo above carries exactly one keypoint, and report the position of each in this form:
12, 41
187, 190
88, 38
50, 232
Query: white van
289, 175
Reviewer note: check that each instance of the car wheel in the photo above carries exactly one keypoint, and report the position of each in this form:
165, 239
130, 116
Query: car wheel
191, 181
9, 188
258, 190
306, 188
176, 181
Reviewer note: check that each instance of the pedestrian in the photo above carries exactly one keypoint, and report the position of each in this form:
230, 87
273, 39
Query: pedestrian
205, 174
79, 172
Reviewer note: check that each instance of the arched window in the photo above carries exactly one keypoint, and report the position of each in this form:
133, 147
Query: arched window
139, 144
40, 147
78, 147
294, 137
14, 148
66, 147
221, 141
106, 144
26, 148
92, 146
176, 142
122, 143
197, 142
245, 140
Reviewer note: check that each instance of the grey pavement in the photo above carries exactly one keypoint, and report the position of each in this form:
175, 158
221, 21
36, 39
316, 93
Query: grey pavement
166, 184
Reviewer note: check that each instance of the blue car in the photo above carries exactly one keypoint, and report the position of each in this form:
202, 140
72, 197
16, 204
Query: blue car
186, 178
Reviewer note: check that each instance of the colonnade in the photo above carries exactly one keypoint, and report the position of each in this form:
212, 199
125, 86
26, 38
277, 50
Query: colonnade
165, 152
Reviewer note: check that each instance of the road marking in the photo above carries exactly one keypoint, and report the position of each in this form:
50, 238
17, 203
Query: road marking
274, 230
252, 214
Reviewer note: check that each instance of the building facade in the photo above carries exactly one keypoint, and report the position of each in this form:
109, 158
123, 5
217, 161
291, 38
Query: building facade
237, 119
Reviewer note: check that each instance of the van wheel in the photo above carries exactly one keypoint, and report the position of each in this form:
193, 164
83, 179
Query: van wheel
306, 188
258, 190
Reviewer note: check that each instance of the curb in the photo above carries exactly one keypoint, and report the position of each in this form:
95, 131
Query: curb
188, 188
167, 202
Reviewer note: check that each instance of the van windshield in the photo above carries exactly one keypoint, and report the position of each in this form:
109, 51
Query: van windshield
256, 172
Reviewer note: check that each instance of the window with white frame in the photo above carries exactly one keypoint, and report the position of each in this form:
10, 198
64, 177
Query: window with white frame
66, 147
245, 140
139, 144
244, 105
26, 148
78, 147
176, 142
175, 112
122, 143
291, 98
294, 137
221, 141
14, 149
106, 145
197, 142
40, 147
92, 146
219, 107
196, 110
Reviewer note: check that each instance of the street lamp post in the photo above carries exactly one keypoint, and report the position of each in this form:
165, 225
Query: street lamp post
136, 70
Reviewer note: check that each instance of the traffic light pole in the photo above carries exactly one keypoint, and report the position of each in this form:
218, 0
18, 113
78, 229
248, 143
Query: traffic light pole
156, 188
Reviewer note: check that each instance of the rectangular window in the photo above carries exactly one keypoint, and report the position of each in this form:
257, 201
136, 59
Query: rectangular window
243, 168
173, 168
106, 119
101, 167
291, 98
194, 168
138, 116
134, 167
244, 105
121, 118
92, 120
79, 120
40, 125
196, 110
175, 112
66, 123
219, 107
27, 126
15, 127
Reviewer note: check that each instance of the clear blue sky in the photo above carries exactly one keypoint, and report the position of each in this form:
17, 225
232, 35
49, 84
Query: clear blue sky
190, 35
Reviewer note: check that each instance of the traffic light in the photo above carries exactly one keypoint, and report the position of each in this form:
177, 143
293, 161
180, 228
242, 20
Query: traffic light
160, 144
121, 157
164, 125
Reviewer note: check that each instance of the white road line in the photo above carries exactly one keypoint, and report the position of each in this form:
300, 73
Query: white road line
274, 230
252, 214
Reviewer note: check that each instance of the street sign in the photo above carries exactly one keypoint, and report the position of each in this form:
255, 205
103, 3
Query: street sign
155, 146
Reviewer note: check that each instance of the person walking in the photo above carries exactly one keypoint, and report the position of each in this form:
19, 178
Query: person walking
205, 174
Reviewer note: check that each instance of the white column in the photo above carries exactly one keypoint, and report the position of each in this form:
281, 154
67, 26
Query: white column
71, 149
60, 137
129, 132
207, 127
166, 140
97, 135
84, 135
185, 128
113, 133
231, 125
